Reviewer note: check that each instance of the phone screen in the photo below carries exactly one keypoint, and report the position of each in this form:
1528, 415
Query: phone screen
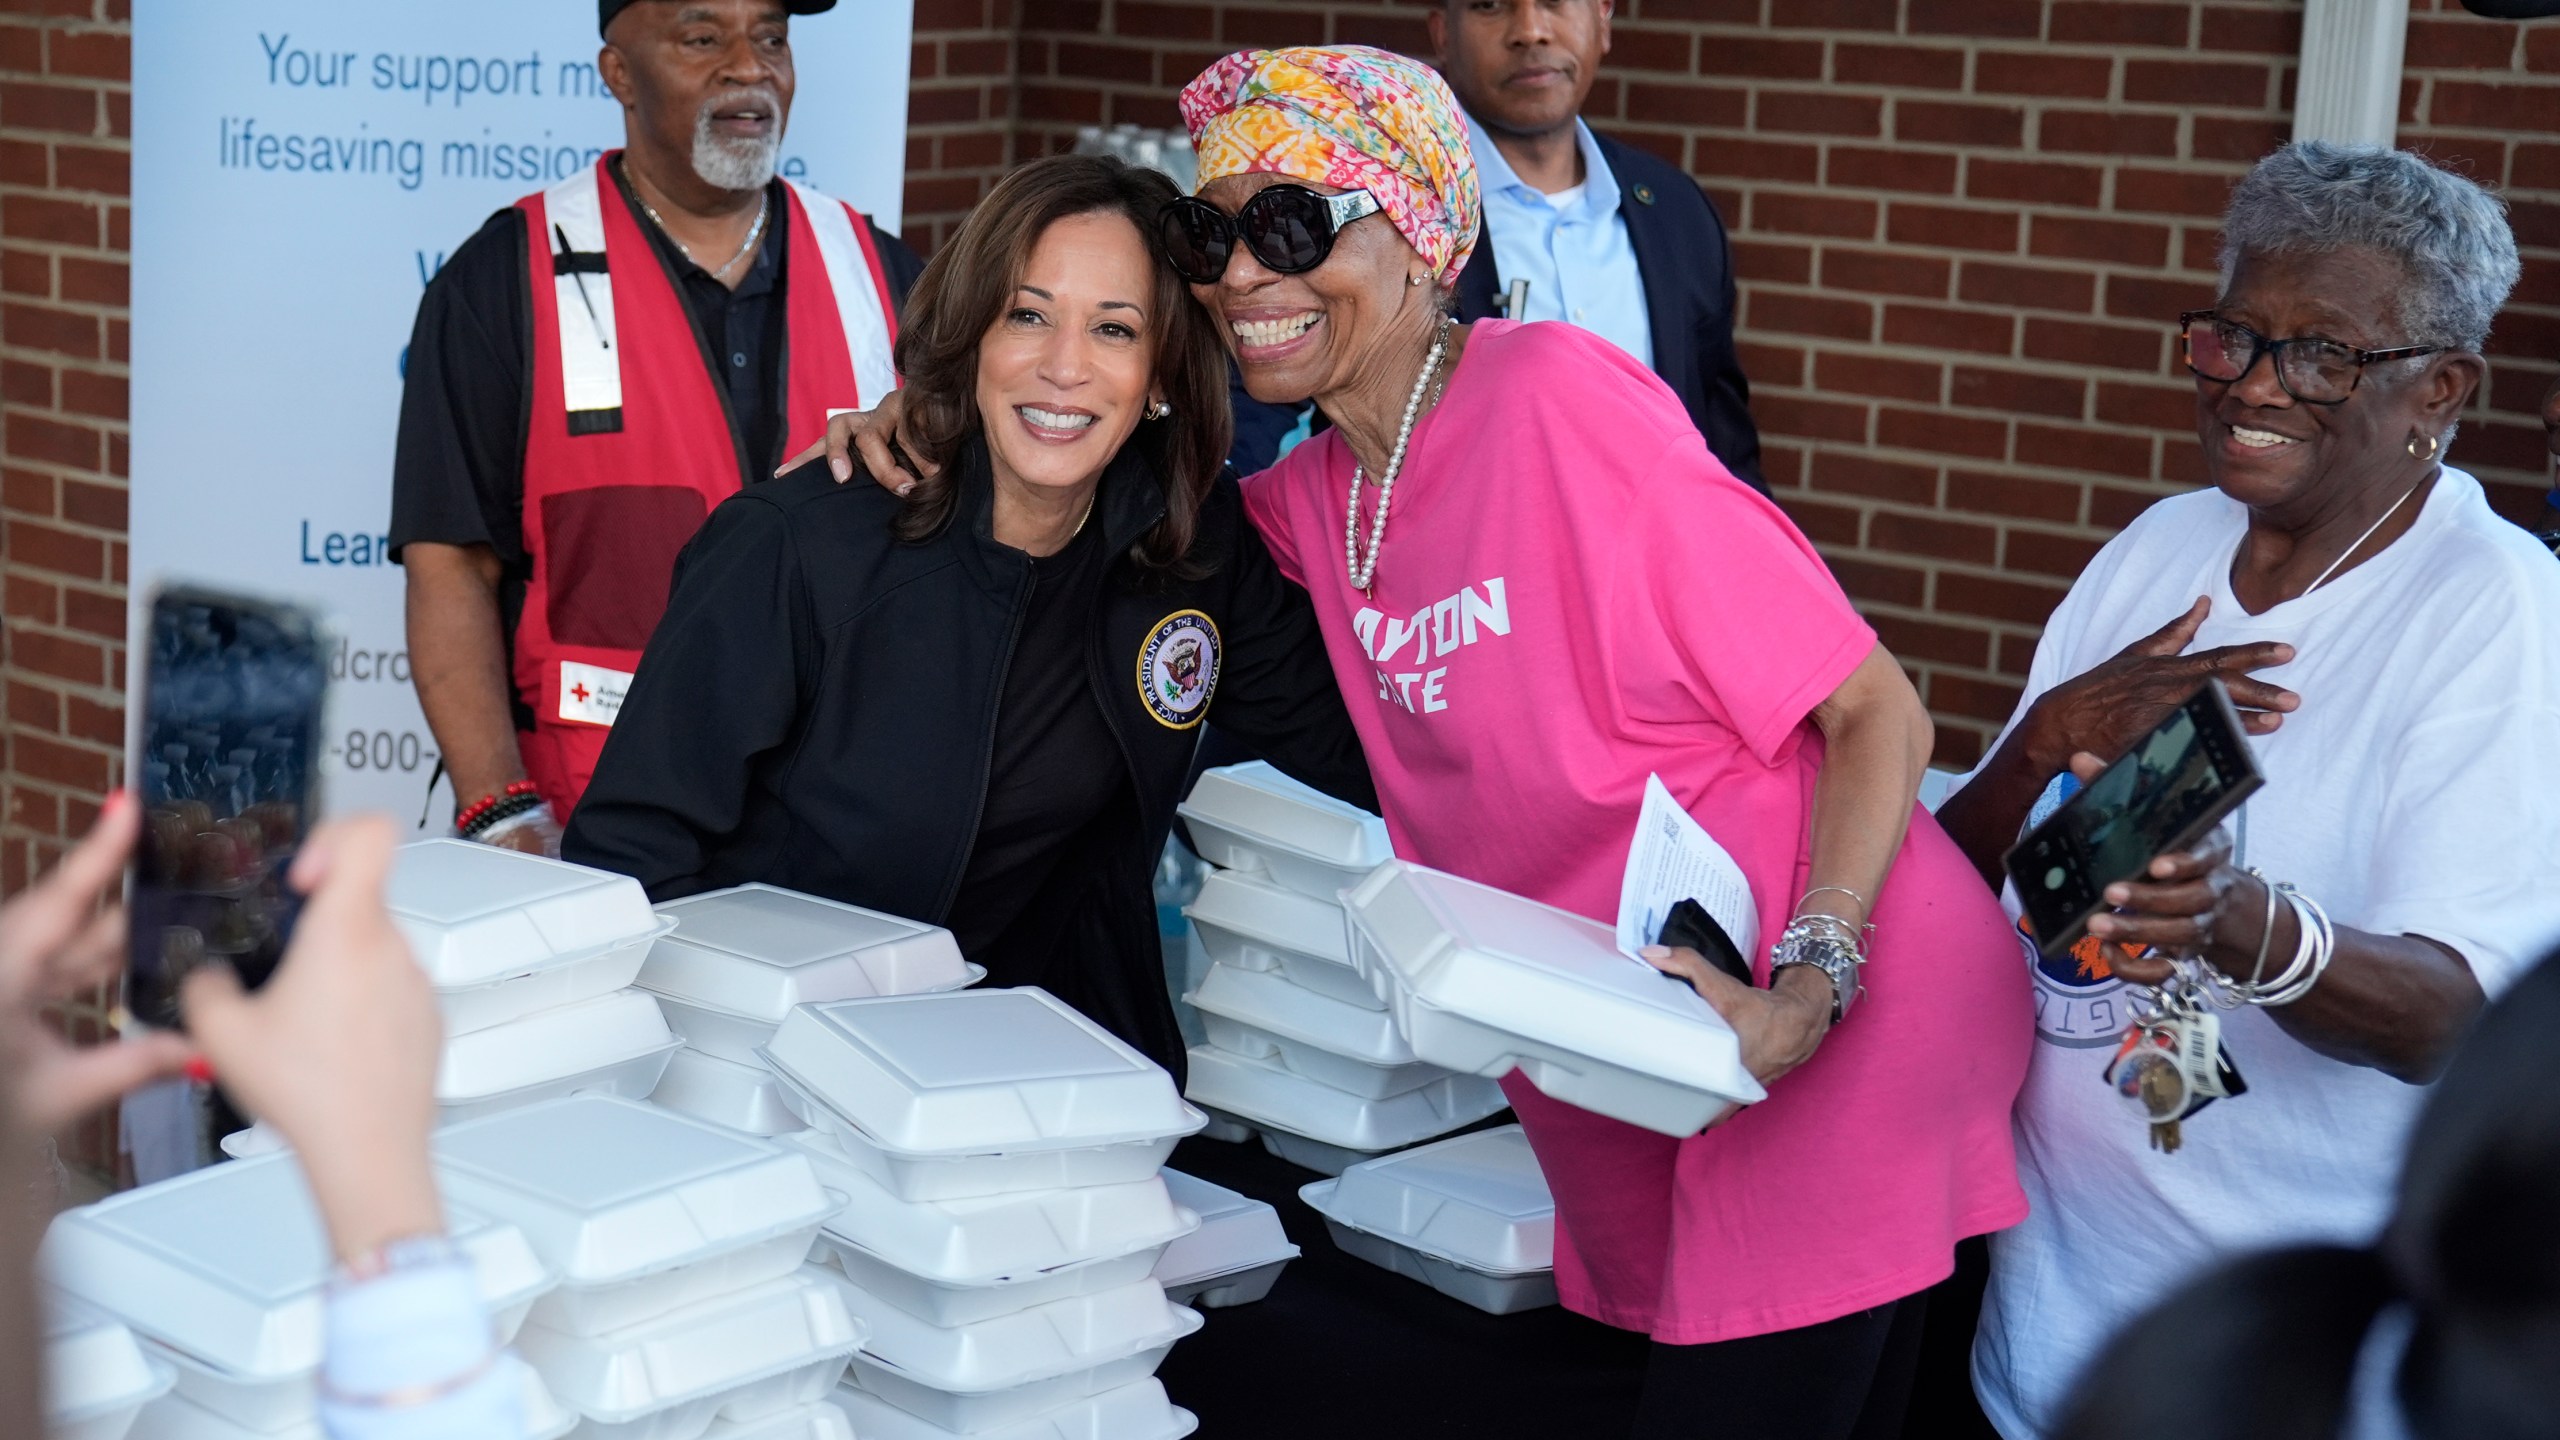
231, 717
2175, 785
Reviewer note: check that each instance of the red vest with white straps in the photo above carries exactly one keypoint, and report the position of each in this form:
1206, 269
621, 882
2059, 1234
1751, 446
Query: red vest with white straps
630, 442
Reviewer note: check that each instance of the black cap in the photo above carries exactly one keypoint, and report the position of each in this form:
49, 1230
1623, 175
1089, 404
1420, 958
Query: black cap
607, 9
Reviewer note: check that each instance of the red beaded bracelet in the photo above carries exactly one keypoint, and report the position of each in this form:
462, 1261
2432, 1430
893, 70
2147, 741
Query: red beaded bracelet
462, 823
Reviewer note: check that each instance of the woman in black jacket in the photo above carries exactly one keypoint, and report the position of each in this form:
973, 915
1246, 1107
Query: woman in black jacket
1053, 616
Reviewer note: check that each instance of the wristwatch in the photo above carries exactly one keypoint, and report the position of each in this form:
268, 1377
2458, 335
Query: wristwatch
1803, 945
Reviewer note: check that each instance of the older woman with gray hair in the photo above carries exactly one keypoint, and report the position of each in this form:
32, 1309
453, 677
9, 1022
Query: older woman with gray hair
2395, 648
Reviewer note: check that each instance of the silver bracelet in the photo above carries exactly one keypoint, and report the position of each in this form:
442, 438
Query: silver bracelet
1828, 944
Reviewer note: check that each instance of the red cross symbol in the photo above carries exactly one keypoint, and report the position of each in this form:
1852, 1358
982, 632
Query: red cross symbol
579, 690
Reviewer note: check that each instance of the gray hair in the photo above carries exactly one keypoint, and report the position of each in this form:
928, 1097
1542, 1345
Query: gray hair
2449, 236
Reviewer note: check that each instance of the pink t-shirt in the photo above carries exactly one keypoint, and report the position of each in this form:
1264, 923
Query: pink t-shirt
1574, 595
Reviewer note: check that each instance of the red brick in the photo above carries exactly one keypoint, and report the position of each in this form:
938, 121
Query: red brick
1986, 282
1864, 167
90, 54
24, 163
1948, 227
2099, 452
1936, 539
2034, 182
1958, 749
1809, 419
1105, 62
41, 217
2172, 192
946, 105
2013, 496
1879, 584
119, 455
1779, 264
1822, 524
1167, 22
1631, 47
1901, 66
2225, 84
2254, 29
25, 384
2118, 22
1075, 17
1713, 12
1837, 318
1895, 480
37, 758
2480, 159
1767, 365
2076, 342
2232, 137
2116, 242
2464, 44
2486, 107
41, 653
96, 282
1880, 272
2141, 297
26, 272
2039, 72
100, 507
86, 719
1963, 695
34, 708
977, 59
1824, 112
1833, 14
1877, 377
28, 492
2000, 19
1759, 59
2106, 132
1734, 158
934, 16
1072, 103
1785, 213
34, 437
2030, 392
21, 49
2023, 602
2542, 49
2199, 249
1933, 122
61, 109
2161, 407
85, 392
87, 610
119, 114
1689, 105
1911, 639
1942, 433
1939, 328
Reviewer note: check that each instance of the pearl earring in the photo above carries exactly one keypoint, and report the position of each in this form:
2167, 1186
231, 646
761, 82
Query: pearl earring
1159, 410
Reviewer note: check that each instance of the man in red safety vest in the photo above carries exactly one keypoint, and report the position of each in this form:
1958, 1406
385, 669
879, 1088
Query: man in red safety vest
593, 371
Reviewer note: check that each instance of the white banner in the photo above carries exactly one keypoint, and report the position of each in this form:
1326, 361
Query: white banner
300, 170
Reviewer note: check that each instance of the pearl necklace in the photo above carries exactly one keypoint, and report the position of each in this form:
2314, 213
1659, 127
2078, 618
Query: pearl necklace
1364, 575
755, 232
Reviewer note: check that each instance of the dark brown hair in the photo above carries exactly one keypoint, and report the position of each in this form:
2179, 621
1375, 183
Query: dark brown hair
970, 285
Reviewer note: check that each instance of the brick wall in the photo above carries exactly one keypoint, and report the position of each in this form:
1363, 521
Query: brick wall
1964, 229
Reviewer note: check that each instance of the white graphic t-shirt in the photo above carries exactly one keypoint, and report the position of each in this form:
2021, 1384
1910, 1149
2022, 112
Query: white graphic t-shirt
2416, 791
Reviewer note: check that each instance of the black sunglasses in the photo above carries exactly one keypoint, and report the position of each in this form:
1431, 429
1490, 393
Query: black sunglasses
1289, 228
2310, 369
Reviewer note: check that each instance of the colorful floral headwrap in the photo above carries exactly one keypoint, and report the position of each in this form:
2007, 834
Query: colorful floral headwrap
1353, 118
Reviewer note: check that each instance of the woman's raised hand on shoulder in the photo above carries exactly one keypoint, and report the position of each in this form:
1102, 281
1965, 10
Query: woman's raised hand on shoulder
867, 434
2104, 710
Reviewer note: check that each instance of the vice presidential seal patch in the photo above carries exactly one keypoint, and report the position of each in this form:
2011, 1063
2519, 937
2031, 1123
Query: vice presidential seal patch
1178, 667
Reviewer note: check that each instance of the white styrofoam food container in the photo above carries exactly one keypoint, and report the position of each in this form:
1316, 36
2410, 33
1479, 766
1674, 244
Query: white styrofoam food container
501, 933
1235, 1255
978, 1092
974, 1414
747, 1355
638, 1210
614, 1044
817, 1420
1252, 817
744, 1098
1246, 922
1136, 1411
1272, 1096
1484, 982
229, 1264
938, 1302
1259, 1013
177, 1418
96, 1376
1005, 1352
994, 1239
757, 950
1470, 1217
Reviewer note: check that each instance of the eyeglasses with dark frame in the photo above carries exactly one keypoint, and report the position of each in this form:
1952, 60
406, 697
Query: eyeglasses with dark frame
2311, 370
1289, 228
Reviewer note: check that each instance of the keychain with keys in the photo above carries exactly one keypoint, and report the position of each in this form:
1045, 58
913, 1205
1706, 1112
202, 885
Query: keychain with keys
2171, 1063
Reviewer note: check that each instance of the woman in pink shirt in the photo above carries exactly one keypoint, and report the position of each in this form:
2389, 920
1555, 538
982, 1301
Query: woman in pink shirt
1538, 589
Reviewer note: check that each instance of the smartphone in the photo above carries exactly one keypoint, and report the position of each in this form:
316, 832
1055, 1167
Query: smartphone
227, 773
2167, 793
1689, 924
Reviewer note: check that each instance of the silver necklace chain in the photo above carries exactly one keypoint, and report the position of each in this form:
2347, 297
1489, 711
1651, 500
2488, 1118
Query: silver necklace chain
755, 232
1364, 574
2367, 535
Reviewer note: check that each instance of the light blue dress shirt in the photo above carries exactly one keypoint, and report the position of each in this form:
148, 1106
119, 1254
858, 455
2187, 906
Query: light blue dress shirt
1580, 266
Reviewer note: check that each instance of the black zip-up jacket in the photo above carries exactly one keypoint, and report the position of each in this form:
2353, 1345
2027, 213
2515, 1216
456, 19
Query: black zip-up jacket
817, 710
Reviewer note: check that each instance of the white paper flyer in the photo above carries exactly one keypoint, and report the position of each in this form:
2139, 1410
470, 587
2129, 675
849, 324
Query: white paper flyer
1675, 859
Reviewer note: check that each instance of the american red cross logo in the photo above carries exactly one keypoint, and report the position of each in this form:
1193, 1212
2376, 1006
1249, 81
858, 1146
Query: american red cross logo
579, 690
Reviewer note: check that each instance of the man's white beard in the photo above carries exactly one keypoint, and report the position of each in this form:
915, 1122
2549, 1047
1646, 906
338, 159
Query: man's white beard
735, 164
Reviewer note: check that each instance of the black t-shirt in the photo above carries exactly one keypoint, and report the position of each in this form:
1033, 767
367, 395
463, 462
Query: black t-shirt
1045, 785
457, 476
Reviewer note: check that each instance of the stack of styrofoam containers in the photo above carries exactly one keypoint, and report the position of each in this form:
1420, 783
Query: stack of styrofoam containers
96, 1377
1484, 982
680, 1245
739, 959
1470, 1217
1300, 1047
1001, 1154
532, 960
1236, 1255
222, 1274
